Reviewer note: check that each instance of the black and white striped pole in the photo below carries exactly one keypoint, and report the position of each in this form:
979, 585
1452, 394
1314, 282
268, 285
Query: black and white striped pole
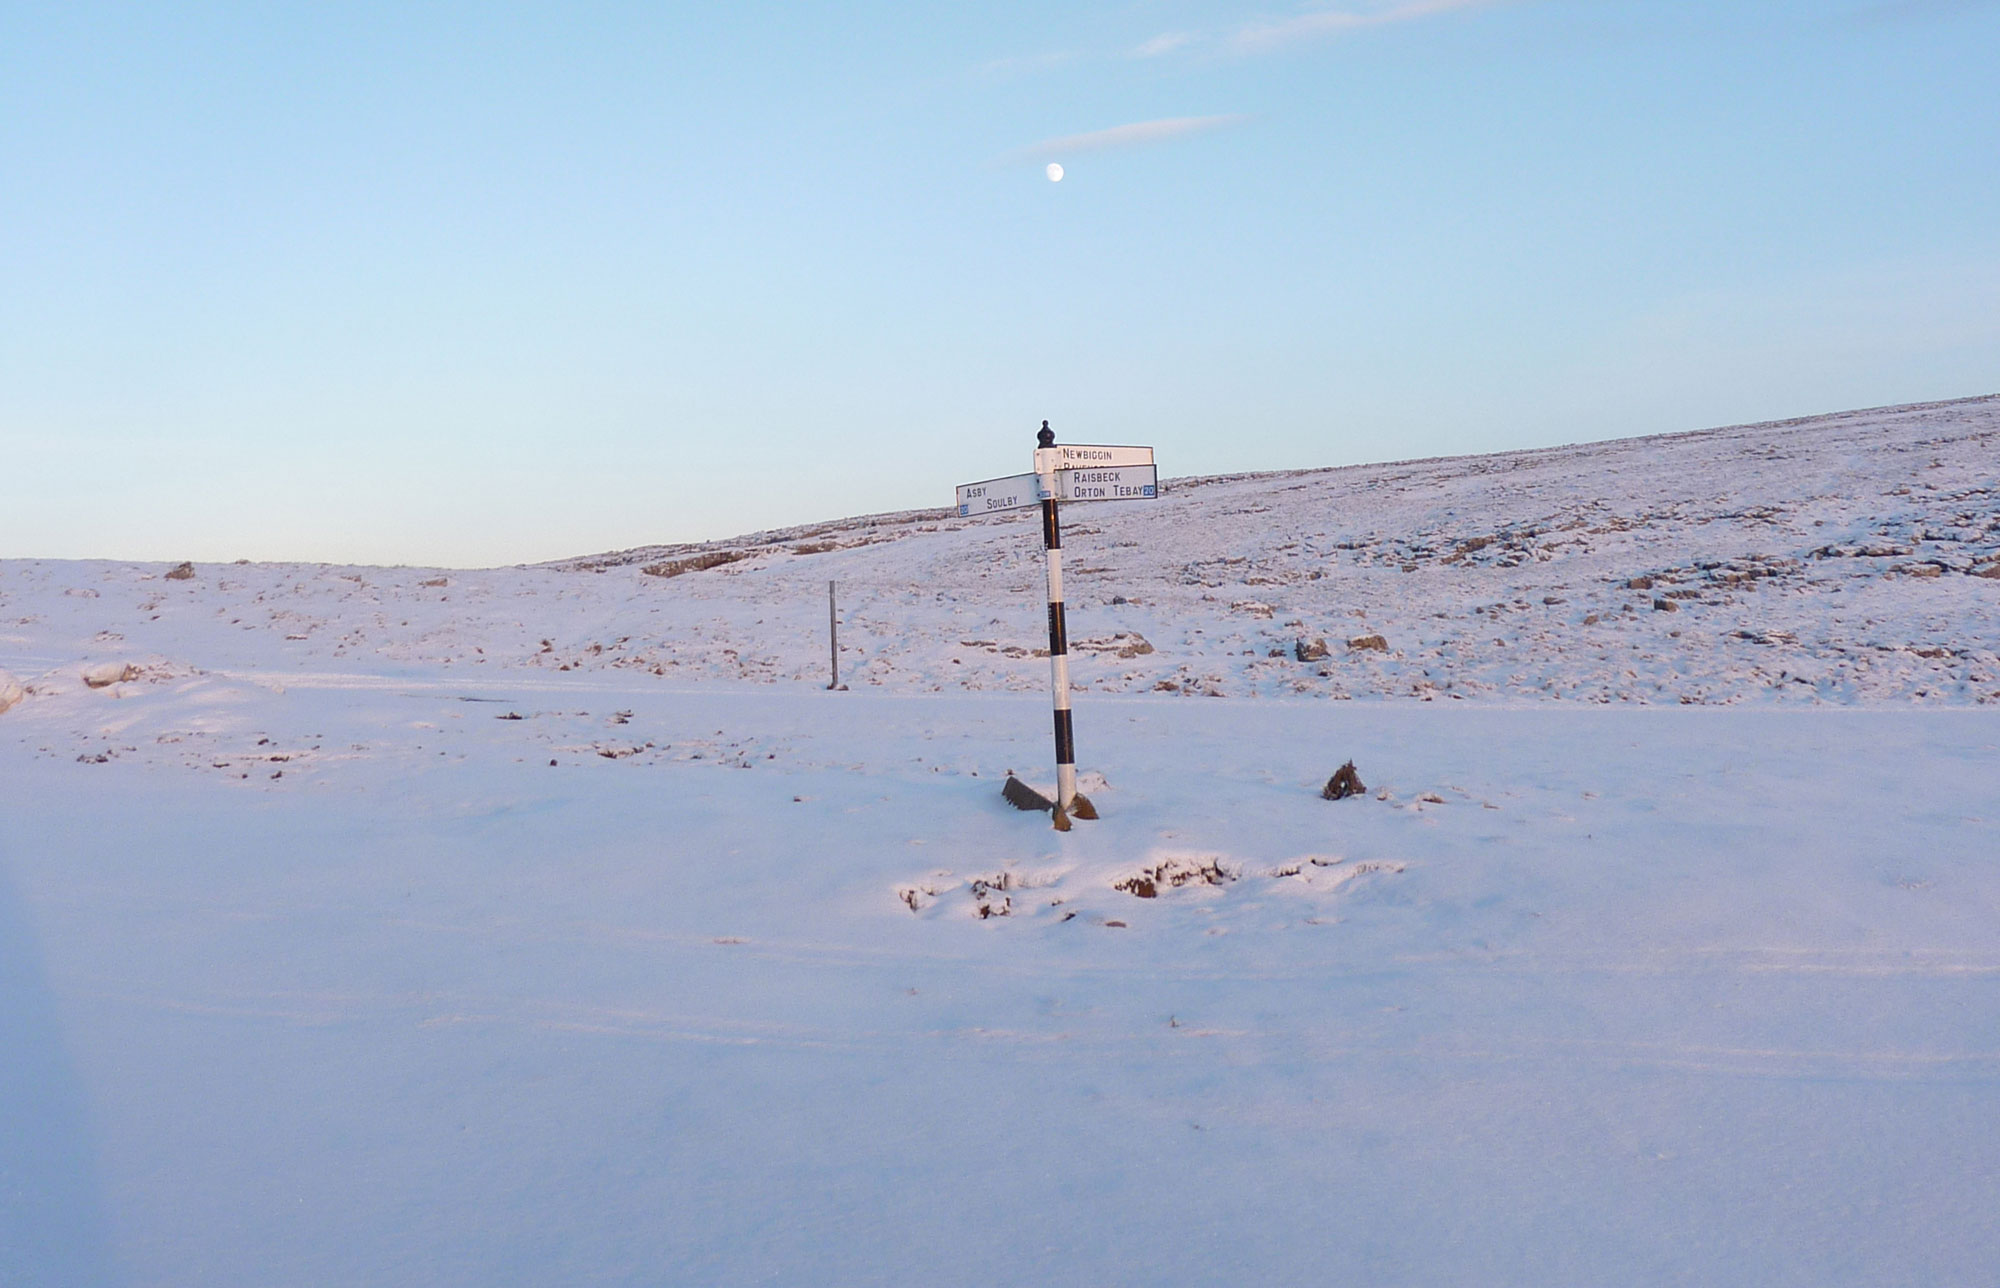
1062, 474
1045, 483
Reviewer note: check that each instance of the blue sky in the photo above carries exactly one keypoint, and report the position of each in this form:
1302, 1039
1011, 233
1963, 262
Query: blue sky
486, 283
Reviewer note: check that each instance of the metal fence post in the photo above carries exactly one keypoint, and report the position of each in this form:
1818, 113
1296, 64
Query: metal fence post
832, 637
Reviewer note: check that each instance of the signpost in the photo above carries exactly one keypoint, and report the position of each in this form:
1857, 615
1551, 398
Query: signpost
1076, 472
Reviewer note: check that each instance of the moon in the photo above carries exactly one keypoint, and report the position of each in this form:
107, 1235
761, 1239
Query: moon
1054, 172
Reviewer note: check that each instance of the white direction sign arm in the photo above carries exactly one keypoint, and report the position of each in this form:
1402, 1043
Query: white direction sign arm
1126, 479
1126, 483
1084, 456
1014, 493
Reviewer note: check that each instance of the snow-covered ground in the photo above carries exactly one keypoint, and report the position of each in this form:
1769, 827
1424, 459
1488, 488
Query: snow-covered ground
557, 925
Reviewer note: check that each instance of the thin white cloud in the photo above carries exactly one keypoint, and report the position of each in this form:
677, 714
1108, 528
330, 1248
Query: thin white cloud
1329, 22
1164, 43
1124, 136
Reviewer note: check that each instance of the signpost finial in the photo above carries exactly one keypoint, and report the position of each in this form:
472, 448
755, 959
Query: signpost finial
1047, 438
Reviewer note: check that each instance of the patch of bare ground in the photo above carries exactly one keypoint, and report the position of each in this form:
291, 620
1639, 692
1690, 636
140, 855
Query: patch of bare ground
1172, 874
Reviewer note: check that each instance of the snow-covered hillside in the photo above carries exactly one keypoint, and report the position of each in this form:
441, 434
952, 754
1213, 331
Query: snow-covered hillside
1849, 558
557, 925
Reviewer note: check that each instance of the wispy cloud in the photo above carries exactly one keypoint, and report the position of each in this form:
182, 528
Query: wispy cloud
1124, 136
1164, 43
1329, 22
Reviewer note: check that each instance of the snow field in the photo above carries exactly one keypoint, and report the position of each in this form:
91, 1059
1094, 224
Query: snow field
1686, 1004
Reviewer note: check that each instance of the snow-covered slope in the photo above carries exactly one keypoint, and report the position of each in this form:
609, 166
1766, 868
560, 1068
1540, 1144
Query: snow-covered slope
1849, 558
557, 925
